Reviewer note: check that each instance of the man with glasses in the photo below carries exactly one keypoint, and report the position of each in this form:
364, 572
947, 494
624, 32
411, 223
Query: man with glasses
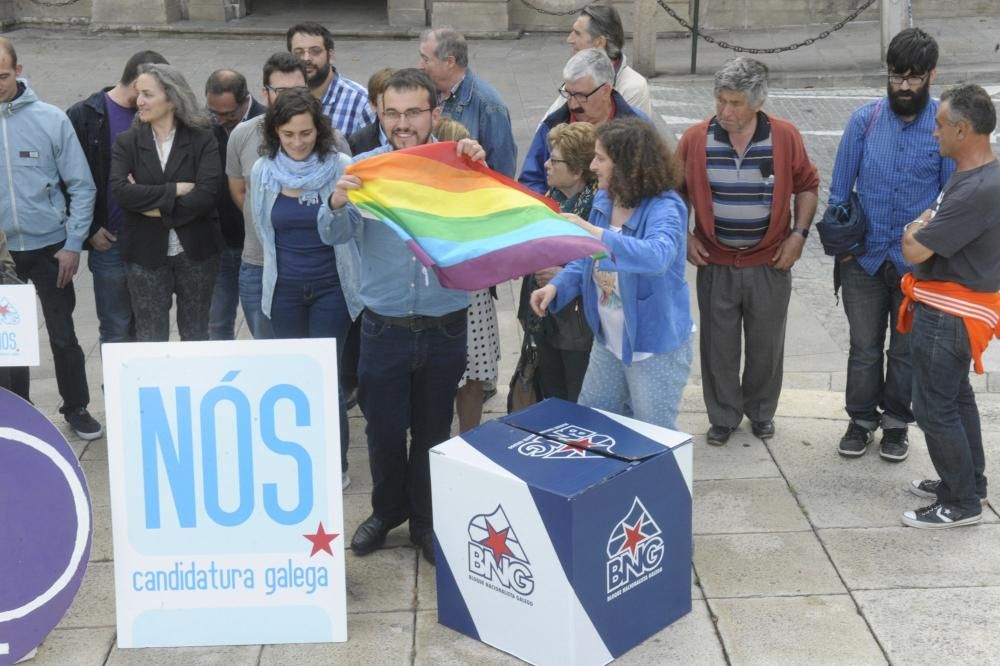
229, 103
413, 335
587, 89
282, 72
343, 100
889, 156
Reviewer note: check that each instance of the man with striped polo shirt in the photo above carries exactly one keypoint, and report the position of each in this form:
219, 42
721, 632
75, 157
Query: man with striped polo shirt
753, 190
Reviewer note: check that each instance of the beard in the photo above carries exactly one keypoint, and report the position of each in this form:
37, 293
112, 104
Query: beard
909, 102
411, 138
320, 76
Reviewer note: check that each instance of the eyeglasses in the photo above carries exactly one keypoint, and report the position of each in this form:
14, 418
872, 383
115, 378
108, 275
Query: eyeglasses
227, 115
393, 116
278, 91
913, 80
555, 161
315, 52
579, 97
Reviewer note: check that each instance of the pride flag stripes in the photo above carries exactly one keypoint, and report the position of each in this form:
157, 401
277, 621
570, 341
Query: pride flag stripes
472, 226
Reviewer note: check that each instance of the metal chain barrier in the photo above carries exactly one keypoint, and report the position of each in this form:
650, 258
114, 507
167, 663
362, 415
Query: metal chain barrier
53, 3
780, 49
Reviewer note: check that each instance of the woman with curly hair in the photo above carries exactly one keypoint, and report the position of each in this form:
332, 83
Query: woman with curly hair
310, 289
563, 339
635, 299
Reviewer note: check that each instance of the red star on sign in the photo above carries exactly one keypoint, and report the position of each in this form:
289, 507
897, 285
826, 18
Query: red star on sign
321, 540
576, 445
497, 542
633, 537
3, 309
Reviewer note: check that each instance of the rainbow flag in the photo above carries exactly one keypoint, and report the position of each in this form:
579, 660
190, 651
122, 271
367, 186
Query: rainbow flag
472, 226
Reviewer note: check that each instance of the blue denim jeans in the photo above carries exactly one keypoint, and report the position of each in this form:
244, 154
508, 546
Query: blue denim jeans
871, 303
407, 381
945, 406
649, 390
314, 310
116, 322
226, 296
251, 288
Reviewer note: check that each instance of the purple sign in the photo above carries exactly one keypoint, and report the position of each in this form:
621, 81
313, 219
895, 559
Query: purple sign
45, 524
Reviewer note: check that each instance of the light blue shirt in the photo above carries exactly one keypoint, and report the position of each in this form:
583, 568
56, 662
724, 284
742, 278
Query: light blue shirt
393, 282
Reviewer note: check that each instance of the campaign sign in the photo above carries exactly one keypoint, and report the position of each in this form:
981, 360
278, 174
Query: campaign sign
226, 503
18, 325
563, 533
45, 524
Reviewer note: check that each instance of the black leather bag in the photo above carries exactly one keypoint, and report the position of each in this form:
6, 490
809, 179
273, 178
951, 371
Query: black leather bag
842, 229
524, 388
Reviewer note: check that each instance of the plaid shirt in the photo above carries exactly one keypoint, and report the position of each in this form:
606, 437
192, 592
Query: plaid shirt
346, 103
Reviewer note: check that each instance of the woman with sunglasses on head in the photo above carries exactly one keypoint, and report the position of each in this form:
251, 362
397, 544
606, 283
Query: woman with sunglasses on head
310, 289
636, 298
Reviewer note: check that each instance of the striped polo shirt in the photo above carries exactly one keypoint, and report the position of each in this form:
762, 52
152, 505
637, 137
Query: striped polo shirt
742, 186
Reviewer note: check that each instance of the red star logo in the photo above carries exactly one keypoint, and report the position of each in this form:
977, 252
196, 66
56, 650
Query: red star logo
321, 540
575, 446
497, 542
633, 537
3, 309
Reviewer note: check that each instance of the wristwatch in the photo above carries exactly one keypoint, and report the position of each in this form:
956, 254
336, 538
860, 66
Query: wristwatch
802, 232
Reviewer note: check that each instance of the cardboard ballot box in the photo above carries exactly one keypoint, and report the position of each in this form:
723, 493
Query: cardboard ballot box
564, 533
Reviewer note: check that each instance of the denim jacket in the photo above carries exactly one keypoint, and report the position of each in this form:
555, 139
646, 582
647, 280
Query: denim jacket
477, 105
649, 256
348, 259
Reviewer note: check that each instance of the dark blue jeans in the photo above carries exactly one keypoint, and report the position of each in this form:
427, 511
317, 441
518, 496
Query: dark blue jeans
226, 296
116, 323
407, 381
41, 268
314, 310
871, 303
251, 292
945, 406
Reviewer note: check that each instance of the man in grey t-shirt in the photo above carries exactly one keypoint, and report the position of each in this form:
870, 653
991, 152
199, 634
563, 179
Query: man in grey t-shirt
282, 72
953, 247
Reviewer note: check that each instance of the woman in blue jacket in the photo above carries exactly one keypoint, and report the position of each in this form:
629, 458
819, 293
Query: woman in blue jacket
636, 299
310, 289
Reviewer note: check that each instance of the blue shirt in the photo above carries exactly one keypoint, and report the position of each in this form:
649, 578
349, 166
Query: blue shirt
393, 282
477, 105
346, 103
119, 119
897, 171
301, 255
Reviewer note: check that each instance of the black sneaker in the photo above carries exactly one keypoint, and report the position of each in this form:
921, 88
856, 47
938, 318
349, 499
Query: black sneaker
938, 517
855, 441
894, 446
83, 424
719, 435
927, 488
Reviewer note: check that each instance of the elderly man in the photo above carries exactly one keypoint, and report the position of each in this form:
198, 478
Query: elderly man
587, 89
745, 172
444, 57
600, 27
955, 285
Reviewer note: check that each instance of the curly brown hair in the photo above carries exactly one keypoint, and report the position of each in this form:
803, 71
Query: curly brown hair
644, 165
288, 105
576, 143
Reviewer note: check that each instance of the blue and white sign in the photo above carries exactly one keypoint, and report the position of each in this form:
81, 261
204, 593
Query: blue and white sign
225, 492
18, 325
563, 533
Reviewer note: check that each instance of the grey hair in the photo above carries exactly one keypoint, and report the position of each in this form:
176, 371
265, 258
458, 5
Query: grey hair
743, 75
187, 112
972, 104
594, 63
449, 43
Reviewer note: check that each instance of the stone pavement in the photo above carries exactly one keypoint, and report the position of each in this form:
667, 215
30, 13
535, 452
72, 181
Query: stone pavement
799, 555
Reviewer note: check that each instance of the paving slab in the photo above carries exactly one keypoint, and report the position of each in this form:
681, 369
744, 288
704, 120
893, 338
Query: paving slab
746, 565
902, 557
426, 586
811, 630
436, 645
934, 627
94, 605
382, 581
743, 457
96, 473
689, 640
75, 647
234, 655
372, 638
745, 505
102, 546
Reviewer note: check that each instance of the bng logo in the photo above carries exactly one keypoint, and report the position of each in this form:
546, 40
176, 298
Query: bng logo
635, 551
565, 442
496, 558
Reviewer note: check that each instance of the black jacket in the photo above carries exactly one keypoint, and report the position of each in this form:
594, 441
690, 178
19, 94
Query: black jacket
194, 158
89, 118
364, 139
231, 217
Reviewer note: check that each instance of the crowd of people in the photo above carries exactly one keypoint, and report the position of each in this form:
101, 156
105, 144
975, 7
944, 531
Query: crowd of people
243, 202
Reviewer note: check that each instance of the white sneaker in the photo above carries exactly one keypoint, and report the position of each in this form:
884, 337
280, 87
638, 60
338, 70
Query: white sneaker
345, 480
